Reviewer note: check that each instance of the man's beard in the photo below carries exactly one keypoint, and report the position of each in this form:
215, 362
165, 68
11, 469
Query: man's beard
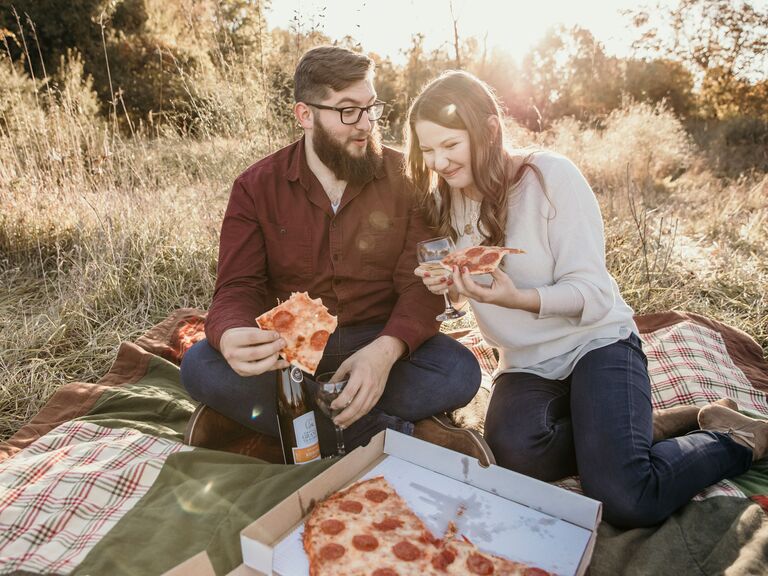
351, 169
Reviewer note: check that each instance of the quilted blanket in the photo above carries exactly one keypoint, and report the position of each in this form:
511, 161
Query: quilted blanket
100, 483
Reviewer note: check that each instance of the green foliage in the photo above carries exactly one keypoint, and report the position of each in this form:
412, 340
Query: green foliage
53, 27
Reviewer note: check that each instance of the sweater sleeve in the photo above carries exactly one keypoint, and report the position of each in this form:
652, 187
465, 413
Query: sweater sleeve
582, 288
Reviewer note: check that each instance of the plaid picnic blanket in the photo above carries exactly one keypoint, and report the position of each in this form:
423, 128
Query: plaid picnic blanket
99, 482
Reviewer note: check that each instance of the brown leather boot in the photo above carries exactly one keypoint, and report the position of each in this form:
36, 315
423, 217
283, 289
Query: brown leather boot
210, 429
679, 420
749, 432
441, 431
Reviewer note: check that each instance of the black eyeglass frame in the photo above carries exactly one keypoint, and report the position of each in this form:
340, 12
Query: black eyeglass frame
360, 109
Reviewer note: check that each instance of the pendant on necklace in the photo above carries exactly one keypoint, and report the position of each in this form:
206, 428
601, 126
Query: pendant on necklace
468, 229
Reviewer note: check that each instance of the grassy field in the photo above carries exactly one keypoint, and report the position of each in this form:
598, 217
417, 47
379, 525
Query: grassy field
102, 235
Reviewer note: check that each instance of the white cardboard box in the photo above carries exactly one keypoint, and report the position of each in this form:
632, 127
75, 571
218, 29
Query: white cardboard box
505, 513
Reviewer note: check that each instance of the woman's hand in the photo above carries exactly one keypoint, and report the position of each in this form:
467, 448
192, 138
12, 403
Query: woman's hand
437, 280
501, 292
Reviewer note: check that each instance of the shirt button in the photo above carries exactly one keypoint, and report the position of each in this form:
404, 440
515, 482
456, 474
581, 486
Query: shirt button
333, 224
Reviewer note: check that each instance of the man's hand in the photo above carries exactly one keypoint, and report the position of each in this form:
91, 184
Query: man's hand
252, 351
367, 370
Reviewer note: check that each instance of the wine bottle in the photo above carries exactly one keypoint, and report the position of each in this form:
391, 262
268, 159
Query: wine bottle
295, 418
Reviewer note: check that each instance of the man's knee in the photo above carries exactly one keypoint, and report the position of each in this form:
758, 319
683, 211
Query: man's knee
463, 374
466, 374
195, 369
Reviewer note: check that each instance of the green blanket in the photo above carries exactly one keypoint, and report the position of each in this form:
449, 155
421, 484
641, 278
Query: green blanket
99, 483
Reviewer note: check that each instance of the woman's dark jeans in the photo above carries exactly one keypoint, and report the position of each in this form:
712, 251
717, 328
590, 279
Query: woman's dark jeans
598, 423
439, 376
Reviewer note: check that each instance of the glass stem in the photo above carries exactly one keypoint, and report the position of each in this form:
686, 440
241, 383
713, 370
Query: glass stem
448, 305
340, 448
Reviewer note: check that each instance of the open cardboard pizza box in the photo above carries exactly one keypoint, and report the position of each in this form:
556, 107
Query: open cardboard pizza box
500, 511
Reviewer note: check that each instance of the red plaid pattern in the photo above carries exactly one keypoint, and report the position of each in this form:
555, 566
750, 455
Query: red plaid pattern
485, 355
63, 493
689, 364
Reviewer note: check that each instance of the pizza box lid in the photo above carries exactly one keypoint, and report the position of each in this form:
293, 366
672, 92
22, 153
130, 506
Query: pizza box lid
554, 520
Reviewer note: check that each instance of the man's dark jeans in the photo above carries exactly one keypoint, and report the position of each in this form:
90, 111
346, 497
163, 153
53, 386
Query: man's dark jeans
598, 423
441, 375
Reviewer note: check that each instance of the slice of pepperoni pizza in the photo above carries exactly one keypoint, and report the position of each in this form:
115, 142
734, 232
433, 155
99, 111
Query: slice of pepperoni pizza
460, 556
478, 259
367, 529
305, 325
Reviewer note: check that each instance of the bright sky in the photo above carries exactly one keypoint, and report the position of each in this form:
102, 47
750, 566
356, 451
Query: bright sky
386, 26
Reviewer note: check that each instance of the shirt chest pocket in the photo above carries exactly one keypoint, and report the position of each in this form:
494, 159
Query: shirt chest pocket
289, 254
381, 246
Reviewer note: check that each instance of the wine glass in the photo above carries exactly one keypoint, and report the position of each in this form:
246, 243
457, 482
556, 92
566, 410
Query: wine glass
325, 393
429, 253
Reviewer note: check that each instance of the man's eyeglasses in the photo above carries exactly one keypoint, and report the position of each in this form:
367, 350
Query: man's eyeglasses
352, 114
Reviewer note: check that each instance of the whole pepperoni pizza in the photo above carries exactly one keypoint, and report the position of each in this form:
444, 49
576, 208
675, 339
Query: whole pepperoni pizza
305, 325
368, 529
478, 259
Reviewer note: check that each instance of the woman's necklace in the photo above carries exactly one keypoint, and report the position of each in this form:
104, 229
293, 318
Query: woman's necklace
471, 215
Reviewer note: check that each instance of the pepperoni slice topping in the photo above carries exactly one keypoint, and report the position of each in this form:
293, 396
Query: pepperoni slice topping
472, 252
352, 506
479, 564
332, 526
332, 551
319, 339
365, 542
488, 258
283, 320
388, 524
406, 551
376, 495
443, 559
384, 572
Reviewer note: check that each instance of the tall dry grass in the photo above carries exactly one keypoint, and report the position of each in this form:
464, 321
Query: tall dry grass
102, 234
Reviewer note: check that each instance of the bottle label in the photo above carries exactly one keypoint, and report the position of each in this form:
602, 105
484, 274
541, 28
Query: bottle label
308, 445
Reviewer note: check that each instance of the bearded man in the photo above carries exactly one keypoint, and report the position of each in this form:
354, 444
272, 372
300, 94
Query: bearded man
332, 215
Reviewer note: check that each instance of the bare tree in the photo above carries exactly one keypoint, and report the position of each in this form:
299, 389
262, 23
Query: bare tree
456, 40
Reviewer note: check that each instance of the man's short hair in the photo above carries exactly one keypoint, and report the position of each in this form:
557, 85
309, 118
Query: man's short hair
328, 67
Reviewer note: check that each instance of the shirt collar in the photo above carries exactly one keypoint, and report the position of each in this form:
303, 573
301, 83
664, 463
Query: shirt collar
298, 169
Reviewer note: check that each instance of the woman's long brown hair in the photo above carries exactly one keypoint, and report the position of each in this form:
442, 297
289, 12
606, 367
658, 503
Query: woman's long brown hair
462, 101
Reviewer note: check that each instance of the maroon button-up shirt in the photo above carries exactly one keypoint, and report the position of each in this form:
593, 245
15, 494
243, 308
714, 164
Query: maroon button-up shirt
280, 235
